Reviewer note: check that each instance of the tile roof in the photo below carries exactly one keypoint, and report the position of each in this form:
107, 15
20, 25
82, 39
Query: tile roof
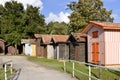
46, 38
60, 38
79, 37
106, 25
2, 40
103, 25
33, 41
37, 35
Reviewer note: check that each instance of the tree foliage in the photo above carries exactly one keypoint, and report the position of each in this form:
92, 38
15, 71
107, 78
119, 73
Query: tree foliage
57, 28
33, 21
17, 22
85, 11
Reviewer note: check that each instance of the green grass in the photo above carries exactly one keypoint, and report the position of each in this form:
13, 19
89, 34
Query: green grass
58, 65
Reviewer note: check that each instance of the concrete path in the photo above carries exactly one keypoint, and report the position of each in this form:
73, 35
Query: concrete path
33, 71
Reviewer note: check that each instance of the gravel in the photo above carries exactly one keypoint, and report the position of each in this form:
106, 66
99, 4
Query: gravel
33, 71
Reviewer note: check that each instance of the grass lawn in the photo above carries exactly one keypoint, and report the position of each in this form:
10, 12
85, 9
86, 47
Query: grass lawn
58, 65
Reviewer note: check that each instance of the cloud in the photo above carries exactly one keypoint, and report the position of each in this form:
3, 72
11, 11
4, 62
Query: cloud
116, 17
35, 3
61, 17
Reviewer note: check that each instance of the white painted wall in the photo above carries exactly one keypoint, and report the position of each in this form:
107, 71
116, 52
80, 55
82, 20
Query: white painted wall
28, 49
50, 52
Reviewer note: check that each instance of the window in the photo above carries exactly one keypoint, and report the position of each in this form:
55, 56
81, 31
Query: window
95, 34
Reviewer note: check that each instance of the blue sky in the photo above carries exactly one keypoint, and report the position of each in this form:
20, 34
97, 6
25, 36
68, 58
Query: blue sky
55, 10
57, 6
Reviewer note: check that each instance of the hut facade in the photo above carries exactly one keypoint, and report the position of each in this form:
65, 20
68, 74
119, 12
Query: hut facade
44, 49
60, 46
29, 46
77, 47
103, 42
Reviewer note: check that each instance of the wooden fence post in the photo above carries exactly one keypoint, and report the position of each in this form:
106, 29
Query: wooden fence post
73, 66
5, 69
64, 66
11, 65
89, 72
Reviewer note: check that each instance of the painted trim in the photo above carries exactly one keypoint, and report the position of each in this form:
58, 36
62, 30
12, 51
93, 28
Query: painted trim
112, 65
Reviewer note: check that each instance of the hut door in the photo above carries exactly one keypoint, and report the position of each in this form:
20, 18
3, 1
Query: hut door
95, 52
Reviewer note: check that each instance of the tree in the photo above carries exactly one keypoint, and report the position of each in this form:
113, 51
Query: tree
33, 21
10, 21
84, 11
57, 28
17, 23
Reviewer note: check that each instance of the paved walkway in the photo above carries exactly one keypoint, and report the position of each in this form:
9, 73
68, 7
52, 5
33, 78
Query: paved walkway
33, 71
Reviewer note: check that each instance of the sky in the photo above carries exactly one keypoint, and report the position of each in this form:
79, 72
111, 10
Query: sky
55, 10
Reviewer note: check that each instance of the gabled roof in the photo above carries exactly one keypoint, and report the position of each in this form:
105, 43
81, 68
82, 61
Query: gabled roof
79, 37
102, 25
37, 35
33, 41
2, 40
60, 38
46, 39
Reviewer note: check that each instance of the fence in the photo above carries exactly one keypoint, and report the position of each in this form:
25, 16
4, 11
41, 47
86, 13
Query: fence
7, 69
89, 74
7, 73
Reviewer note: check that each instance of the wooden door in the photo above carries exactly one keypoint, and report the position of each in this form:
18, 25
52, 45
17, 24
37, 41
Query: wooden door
72, 51
95, 52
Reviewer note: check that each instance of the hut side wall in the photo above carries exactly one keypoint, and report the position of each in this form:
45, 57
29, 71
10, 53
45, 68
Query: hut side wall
82, 52
112, 47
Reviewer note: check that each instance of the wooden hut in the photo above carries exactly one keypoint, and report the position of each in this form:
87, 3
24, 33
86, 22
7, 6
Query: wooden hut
33, 46
29, 46
103, 42
27, 50
38, 40
10, 49
77, 47
60, 46
44, 49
